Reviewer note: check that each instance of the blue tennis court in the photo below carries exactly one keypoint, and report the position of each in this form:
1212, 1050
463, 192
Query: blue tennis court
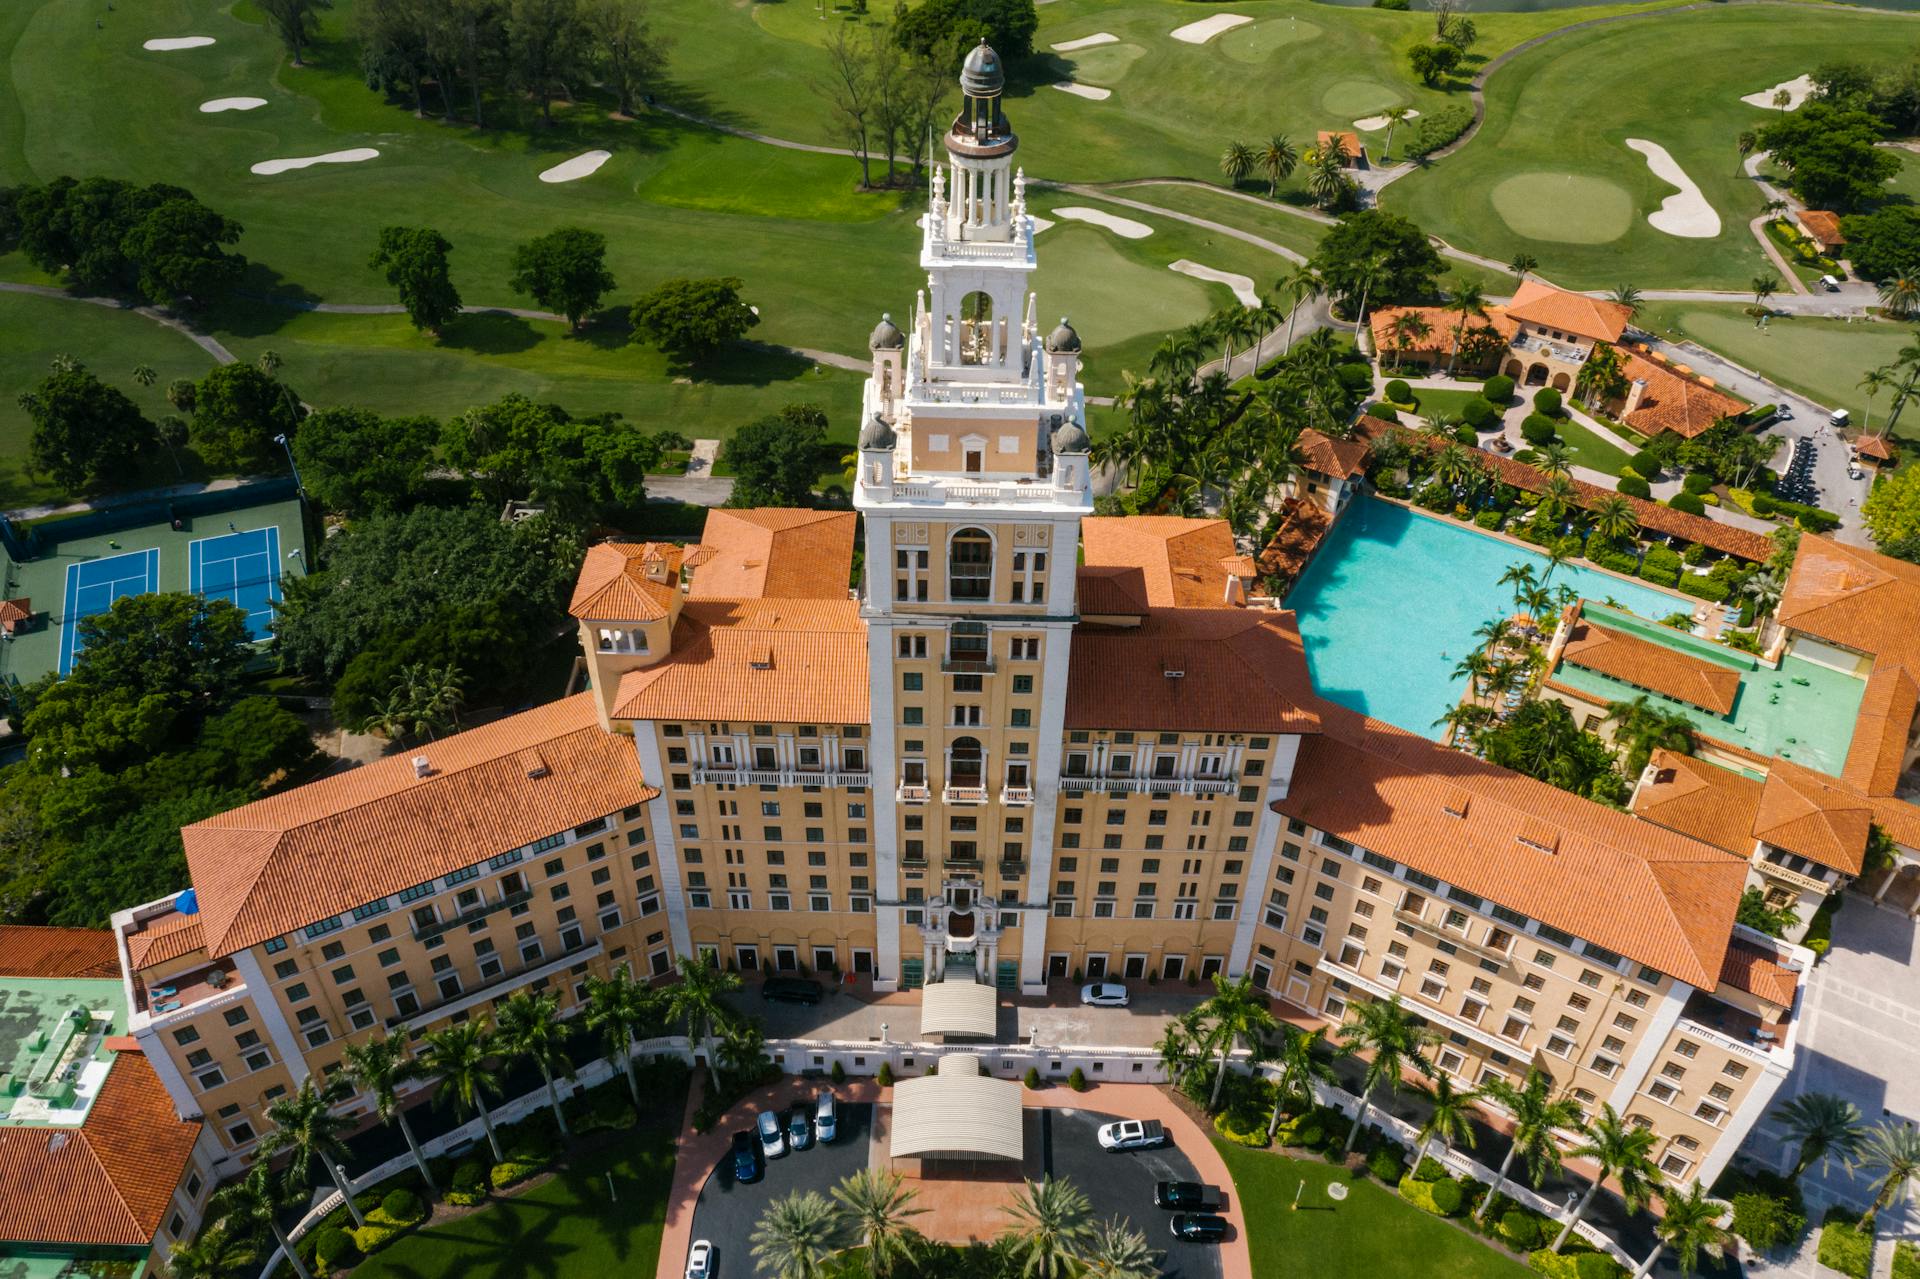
93, 586
242, 567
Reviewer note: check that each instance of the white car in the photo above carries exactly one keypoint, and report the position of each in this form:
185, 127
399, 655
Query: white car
1104, 994
700, 1260
773, 1138
1131, 1134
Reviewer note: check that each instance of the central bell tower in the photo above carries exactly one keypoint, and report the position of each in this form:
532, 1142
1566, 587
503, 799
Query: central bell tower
973, 480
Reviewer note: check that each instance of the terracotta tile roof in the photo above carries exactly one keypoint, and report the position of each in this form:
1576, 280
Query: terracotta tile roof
1759, 972
613, 582
1644, 664
1674, 402
27, 951
1303, 527
1875, 446
1440, 326
1657, 897
1347, 138
109, 1181
163, 938
1537, 302
1341, 459
1881, 730
1110, 592
771, 553
1823, 226
788, 661
1856, 598
1180, 560
308, 853
1709, 803
1813, 815
15, 613
1899, 819
1225, 669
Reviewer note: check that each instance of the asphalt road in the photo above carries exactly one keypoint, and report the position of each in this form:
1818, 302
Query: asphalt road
1121, 1185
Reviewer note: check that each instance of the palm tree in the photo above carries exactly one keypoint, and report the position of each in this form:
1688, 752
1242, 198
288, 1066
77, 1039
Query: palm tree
1052, 1220
795, 1235
1520, 576
1117, 1251
1536, 1114
1523, 265
257, 1200
378, 1067
1613, 518
1277, 160
306, 1129
1764, 287
1468, 302
743, 1046
876, 1205
1640, 728
1236, 162
217, 1254
1239, 1014
1874, 381
696, 1000
1627, 295
1385, 1029
1763, 588
1450, 1115
1555, 459
531, 1030
621, 1009
462, 1056
144, 375
1327, 176
1690, 1226
1302, 287
182, 393
1745, 144
1181, 1044
1373, 267
1889, 1154
1624, 1152
1303, 1063
1396, 116
1453, 465
1407, 328
1900, 294
1824, 1126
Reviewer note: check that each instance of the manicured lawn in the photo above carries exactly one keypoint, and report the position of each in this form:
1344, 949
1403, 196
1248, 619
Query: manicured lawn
1547, 173
569, 1226
1443, 401
1372, 1232
1588, 449
1822, 359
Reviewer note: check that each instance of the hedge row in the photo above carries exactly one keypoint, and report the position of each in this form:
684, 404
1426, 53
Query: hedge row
1439, 129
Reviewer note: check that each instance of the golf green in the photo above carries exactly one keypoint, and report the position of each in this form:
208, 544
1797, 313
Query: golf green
1357, 99
1567, 207
1255, 44
1103, 64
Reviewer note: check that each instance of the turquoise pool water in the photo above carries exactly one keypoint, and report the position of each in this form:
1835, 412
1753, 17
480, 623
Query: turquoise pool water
1390, 604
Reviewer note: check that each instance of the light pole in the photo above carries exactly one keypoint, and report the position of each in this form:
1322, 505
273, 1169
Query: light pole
283, 442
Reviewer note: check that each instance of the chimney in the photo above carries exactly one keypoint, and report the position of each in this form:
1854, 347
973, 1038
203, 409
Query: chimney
1635, 394
420, 766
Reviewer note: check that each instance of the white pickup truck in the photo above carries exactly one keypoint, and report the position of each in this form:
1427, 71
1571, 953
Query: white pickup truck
1132, 1134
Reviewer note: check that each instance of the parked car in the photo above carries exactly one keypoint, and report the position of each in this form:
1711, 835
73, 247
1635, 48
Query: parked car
773, 1141
1855, 473
1830, 284
1199, 1227
799, 1128
1104, 994
1840, 420
746, 1158
700, 1260
1188, 1196
792, 990
1132, 1134
826, 1116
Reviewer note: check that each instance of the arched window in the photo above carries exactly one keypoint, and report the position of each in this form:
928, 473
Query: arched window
976, 328
970, 565
966, 763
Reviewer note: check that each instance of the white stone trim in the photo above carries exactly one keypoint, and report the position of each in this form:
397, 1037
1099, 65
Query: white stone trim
666, 835
267, 1004
1048, 745
1665, 1016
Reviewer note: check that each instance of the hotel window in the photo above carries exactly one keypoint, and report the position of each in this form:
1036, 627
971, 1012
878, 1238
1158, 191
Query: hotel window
1351, 954
1603, 1065
1515, 1027
1451, 1061
1534, 981
1662, 1091
1675, 1167
913, 646
1472, 1010
1673, 1070
1686, 1048
1720, 1092
186, 1035
1707, 1112
1734, 1070
1624, 1022
1637, 998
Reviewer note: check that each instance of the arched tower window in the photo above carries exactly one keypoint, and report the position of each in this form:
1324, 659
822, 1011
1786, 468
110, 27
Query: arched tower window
976, 328
970, 565
966, 762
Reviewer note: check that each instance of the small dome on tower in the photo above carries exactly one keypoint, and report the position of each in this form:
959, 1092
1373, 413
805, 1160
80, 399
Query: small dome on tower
1063, 337
886, 335
981, 75
1070, 438
877, 434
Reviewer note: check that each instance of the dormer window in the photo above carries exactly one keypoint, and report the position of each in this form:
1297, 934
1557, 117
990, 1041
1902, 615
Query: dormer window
614, 639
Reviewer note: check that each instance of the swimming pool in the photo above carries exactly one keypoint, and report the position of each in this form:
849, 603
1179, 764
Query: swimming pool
1389, 606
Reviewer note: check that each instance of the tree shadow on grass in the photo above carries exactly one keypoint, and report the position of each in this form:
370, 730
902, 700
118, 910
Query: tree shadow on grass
489, 333
750, 364
262, 304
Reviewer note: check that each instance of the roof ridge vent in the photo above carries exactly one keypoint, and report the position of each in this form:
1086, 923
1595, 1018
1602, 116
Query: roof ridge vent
1172, 668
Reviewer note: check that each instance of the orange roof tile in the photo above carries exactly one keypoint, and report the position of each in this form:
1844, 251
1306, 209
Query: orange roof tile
1674, 402
1347, 139
1181, 561
1759, 972
27, 951
786, 661
1441, 324
309, 853
1303, 526
1224, 669
1657, 897
1537, 302
1899, 819
614, 582
1856, 598
1341, 459
109, 1181
1823, 226
164, 938
1813, 815
773, 553
1881, 730
1709, 803
1644, 664
1875, 446
1110, 592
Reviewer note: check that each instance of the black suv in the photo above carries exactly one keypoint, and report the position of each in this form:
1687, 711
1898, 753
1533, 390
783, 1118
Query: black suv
792, 990
1187, 1196
1199, 1227
746, 1158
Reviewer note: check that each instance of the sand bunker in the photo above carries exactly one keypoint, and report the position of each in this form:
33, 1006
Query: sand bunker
1207, 28
213, 105
1084, 91
1241, 285
170, 43
1086, 42
1126, 228
1039, 223
1375, 123
579, 167
1686, 214
1797, 90
267, 168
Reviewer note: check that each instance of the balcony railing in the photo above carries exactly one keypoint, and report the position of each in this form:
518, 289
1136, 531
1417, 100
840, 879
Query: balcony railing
472, 995
967, 665
705, 774
1016, 796
1213, 785
478, 912
964, 794
914, 793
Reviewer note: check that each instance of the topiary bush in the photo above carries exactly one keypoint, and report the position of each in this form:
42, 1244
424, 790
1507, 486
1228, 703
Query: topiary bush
1498, 388
1521, 1229
1547, 400
1357, 377
838, 1074
1688, 502
1386, 1165
334, 1248
1463, 434
1241, 1127
1480, 415
884, 1076
1399, 392
1077, 1080
1697, 482
469, 1185
1442, 1198
403, 1206
1032, 1080
1646, 464
1634, 486
1538, 431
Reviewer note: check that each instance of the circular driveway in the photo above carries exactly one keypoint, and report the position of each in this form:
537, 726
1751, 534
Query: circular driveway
1121, 1185
727, 1211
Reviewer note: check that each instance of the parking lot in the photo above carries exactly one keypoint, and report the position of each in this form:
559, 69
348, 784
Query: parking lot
1121, 1185
727, 1210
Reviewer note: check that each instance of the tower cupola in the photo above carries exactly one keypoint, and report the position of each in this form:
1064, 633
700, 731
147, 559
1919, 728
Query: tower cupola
981, 129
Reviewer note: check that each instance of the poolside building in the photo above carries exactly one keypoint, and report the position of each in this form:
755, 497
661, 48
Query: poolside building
1555, 333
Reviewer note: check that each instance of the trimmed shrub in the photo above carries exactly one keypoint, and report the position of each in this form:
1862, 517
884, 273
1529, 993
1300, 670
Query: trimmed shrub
1242, 1128
512, 1173
1357, 378
1844, 1246
1032, 1080
1694, 554
1480, 415
375, 1235
1077, 1080
334, 1248
1703, 588
1634, 486
1767, 1221
1429, 1169
838, 1074
1442, 1198
1906, 1261
1697, 482
1645, 463
1538, 431
884, 1076
1660, 564
1814, 520
1688, 502
1575, 1265
1385, 1164
402, 1206
1547, 400
469, 1184
1521, 1229
1498, 388
1489, 519
1399, 392
1764, 504
1463, 434
1438, 129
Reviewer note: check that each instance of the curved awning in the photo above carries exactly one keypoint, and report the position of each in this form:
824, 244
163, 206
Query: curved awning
958, 1113
958, 1008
